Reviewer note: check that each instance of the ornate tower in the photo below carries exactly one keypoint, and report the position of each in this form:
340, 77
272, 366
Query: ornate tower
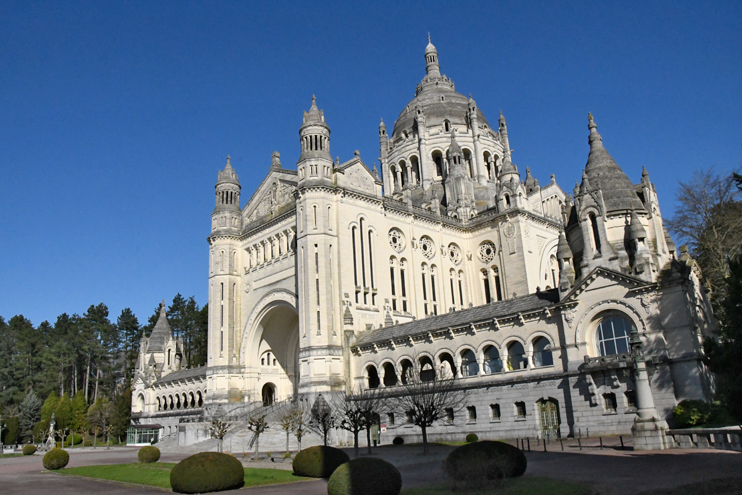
320, 312
459, 187
226, 224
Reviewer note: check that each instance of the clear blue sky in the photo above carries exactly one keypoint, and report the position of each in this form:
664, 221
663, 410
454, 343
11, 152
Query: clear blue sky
116, 116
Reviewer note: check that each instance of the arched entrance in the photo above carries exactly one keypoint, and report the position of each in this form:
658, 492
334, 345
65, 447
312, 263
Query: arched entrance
270, 348
548, 412
269, 394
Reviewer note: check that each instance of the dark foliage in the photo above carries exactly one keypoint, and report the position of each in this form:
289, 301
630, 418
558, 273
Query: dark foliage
485, 460
29, 449
148, 454
365, 476
319, 461
56, 459
207, 472
471, 438
398, 441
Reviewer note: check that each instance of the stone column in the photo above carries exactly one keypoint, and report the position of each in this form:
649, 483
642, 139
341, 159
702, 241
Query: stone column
649, 429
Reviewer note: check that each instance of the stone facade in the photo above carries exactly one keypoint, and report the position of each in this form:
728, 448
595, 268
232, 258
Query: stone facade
334, 276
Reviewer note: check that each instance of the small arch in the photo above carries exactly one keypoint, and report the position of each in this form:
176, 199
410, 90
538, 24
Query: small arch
200, 402
469, 365
268, 394
407, 370
446, 366
542, 352
192, 399
492, 361
516, 356
390, 374
372, 376
427, 370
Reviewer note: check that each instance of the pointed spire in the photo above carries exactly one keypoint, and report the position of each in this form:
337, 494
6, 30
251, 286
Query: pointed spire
228, 174
563, 249
229, 162
382, 125
595, 139
314, 115
585, 186
636, 230
375, 172
531, 182
431, 60
644, 171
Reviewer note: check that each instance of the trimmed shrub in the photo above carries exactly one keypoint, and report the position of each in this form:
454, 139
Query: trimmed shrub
319, 461
207, 472
29, 449
398, 441
148, 454
56, 459
485, 460
68, 440
691, 413
471, 438
365, 476
10, 432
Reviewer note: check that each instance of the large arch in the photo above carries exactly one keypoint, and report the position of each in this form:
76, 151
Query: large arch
273, 326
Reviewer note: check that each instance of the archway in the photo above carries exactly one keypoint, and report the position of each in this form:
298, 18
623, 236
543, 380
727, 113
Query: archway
269, 394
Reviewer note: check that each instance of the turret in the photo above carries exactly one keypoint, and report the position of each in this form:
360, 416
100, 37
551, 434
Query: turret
531, 183
458, 185
566, 268
226, 218
479, 167
315, 161
431, 60
504, 135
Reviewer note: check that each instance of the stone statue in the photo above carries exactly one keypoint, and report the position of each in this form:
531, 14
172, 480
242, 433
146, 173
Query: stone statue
446, 371
50, 441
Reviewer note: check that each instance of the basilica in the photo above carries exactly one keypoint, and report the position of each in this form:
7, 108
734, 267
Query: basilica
556, 311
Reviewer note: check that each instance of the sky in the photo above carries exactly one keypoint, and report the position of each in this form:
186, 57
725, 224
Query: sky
116, 116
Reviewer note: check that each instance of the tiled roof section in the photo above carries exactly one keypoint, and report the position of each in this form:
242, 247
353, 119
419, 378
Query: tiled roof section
199, 372
510, 307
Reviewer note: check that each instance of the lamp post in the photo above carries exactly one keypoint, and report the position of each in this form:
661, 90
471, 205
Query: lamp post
2, 427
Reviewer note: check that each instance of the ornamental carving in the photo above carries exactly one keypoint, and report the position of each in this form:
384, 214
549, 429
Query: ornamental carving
427, 247
487, 252
397, 240
454, 253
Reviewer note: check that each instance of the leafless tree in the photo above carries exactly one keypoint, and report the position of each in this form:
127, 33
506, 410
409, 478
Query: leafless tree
359, 410
284, 416
257, 423
425, 401
709, 220
323, 420
220, 425
301, 418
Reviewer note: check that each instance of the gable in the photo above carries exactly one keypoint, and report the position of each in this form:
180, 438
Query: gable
355, 175
274, 196
601, 278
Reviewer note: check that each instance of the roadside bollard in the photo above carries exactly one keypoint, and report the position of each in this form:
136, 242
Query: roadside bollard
562, 442
579, 442
601, 443
528, 441
620, 437
544, 445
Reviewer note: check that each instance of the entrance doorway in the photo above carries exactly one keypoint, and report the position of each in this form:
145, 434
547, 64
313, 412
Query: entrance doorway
548, 411
269, 394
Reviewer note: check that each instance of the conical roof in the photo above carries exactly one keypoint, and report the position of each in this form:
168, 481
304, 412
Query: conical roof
161, 333
619, 193
314, 115
563, 249
228, 174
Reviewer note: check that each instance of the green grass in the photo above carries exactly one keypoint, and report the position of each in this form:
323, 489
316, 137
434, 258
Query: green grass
158, 474
517, 486
3, 456
724, 486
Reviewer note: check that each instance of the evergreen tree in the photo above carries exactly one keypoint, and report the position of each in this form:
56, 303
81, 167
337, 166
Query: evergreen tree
50, 405
8, 385
63, 412
28, 414
79, 411
121, 414
130, 334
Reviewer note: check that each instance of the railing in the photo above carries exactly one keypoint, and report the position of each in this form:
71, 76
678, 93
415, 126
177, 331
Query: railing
706, 438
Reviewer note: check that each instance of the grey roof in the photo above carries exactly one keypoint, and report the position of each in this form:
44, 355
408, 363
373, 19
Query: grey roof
604, 173
199, 372
161, 333
510, 307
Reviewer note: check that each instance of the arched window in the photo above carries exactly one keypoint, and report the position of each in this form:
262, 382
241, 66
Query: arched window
486, 287
447, 367
516, 356
373, 376
355, 263
390, 375
496, 278
403, 173
406, 371
415, 167
613, 335
492, 361
427, 371
469, 163
438, 160
462, 289
403, 283
507, 201
434, 288
452, 279
542, 352
595, 232
469, 365
424, 277
393, 281
446, 126
495, 412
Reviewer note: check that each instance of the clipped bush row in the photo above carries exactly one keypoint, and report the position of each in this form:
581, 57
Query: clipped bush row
148, 454
207, 472
56, 459
319, 461
365, 476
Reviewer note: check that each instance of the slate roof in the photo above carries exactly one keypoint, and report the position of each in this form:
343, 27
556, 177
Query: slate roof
500, 309
161, 333
619, 193
199, 372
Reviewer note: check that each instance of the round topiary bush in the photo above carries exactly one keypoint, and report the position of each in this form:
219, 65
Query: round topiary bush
56, 459
29, 449
148, 454
398, 441
319, 461
207, 472
365, 476
485, 460
471, 438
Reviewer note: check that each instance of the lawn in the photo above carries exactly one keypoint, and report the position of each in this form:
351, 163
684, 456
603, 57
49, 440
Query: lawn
516, 486
158, 474
2, 456
724, 486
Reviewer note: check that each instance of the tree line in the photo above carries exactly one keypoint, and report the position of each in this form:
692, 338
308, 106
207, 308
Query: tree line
82, 360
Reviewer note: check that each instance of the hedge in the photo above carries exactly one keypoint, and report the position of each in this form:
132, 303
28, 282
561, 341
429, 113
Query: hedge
365, 476
207, 472
485, 460
319, 461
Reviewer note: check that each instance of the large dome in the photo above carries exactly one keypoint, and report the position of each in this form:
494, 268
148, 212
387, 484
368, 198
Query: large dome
437, 99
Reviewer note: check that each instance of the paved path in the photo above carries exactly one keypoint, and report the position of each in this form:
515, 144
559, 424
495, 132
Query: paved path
610, 471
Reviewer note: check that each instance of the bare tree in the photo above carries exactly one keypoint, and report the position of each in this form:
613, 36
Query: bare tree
322, 418
301, 419
709, 220
257, 423
425, 398
221, 424
359, 410
351, 418
285, 419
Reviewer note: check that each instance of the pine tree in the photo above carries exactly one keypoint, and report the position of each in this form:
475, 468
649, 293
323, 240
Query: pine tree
79, 411
50, 405
63, 412
121, 414
28, 414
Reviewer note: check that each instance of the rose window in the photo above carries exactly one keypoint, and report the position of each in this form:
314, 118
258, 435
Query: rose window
486, 252
396, 240
454, 253
427, 247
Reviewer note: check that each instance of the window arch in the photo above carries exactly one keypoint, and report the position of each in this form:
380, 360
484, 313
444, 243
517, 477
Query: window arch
486, 286
373, 376
407, 370
438, 160
427, 371
447, 366
542, 352
612, 335
469, 365
516, 356
390, 375
492, 361
595, 232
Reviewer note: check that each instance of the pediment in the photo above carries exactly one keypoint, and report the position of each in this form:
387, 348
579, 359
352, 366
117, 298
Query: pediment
274, 196
354, 174
601, 277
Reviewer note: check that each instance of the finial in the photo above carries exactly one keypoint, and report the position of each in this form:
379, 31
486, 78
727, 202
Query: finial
229, 161
590, 116
276, 160
428, 36
314, 101
644, 172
